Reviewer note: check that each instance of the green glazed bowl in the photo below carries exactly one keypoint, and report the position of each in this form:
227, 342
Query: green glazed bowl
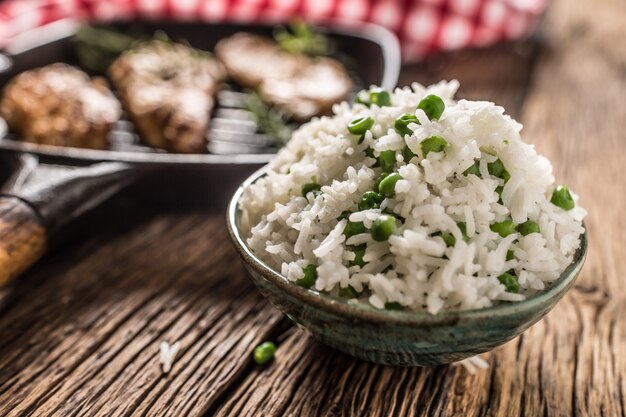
402, 338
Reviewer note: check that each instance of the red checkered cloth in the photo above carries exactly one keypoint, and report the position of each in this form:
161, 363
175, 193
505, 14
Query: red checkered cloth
423, 26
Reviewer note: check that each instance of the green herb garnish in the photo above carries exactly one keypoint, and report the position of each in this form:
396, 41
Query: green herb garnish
269, 120
97, 48
301, 38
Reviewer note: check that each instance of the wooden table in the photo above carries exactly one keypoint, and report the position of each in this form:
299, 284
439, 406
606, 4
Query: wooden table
80, 332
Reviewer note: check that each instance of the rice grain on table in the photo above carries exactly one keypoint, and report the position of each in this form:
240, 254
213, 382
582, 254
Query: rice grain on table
443, 253
167, 354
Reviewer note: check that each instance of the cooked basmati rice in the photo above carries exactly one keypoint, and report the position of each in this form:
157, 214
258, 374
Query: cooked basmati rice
167, 354
473, 364
415, 268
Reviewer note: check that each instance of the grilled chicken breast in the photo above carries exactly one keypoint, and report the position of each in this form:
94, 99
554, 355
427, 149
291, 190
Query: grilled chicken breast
168, 90
302, 85
60, 105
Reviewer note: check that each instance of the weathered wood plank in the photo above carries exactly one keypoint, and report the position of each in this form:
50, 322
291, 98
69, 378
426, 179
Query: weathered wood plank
575, 111
86, 342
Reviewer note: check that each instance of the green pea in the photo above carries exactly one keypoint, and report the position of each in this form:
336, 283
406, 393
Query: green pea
344, 215
448, 238
401, 125
504, 228
311, 187
383, 227
362, 97
433, 144
391, 213
509, 282
497, 169
561, 197
370, 200
366, 291
348, 292
310, 275
510, 255
528, 227
463, 228
264, 353
499, 190
433, 106
360, 125
387, 186
380, 97
407, 154
359, 252
354, 228
379, 180
387, 160
473, 170
370, 153
394, 306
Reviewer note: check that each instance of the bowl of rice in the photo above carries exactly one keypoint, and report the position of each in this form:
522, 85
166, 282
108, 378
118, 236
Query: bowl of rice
410, 228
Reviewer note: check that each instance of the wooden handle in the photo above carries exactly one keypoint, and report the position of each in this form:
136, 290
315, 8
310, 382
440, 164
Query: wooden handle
22, 237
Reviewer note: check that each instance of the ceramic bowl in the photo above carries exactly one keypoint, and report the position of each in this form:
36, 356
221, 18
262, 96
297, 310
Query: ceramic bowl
391, 337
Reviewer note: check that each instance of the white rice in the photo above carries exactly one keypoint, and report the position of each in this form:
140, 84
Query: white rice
473, 364
414, 268
167, 354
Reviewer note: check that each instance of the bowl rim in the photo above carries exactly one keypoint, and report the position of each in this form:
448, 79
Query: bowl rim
344, 307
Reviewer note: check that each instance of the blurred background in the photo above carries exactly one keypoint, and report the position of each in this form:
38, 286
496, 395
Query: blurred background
423, 26
489, 45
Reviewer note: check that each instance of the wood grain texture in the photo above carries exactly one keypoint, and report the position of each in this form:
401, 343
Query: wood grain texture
87, 343
22, 237
79, 334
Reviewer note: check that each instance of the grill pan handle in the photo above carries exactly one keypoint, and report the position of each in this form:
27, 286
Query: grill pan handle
22, 237
39, 199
